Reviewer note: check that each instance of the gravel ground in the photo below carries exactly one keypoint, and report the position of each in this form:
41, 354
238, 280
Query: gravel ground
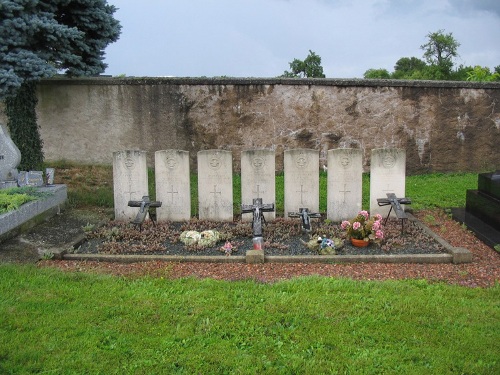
484, 271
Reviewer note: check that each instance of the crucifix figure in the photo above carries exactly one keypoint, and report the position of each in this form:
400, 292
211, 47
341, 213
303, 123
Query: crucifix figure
305, 217
257, 208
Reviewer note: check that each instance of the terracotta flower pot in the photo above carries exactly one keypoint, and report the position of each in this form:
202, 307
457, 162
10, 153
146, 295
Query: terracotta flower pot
359, 243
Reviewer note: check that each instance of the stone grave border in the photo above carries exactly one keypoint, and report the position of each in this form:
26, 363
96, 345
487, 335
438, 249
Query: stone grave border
30, 214
455, 255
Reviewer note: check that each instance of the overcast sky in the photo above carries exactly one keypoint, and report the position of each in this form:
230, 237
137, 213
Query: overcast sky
259, 38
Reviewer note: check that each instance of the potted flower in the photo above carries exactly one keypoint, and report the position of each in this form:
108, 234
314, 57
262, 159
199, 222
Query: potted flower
364, 229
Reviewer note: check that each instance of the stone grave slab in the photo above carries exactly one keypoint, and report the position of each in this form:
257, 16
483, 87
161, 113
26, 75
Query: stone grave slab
130, 181
387, 175
301, 180
258, 179
215, 185
173, 186
344, 186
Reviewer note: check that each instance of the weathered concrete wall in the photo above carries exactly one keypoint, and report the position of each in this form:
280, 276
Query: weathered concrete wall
444, 126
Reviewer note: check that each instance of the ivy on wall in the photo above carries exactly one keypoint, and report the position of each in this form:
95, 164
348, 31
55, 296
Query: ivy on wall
23, 127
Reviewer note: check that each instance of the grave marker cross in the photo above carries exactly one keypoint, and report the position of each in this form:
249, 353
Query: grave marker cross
305, 217
257, 208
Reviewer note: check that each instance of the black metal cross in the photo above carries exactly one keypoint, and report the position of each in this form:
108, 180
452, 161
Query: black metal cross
257, 208
395, 203
146, 206
305, 216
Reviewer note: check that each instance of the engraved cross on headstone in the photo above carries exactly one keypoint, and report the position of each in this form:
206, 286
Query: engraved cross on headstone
215, 192
301, 191
172, 192
344, 191
258, 191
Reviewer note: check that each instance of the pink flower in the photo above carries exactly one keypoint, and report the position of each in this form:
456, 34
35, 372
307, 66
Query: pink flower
365, 214
345, 224
376, 226
378, 217
379, 234
356, 225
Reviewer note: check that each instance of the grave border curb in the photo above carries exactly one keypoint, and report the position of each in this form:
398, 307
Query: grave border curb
454, 255
34, 212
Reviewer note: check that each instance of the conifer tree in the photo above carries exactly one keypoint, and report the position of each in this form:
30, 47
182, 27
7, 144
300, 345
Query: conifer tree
38, 39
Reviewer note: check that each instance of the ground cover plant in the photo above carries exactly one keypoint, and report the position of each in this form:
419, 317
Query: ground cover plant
11, 199
60, 322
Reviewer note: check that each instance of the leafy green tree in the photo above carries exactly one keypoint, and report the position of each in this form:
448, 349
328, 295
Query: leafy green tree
377, 74
408, 68
482, 74
310, 67
38, 39
439, 52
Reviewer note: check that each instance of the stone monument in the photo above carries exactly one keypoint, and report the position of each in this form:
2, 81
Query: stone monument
345, 180
173, 187
130, 181
301, 180
258, 179
387, 175
482, 208
10, 157
215, 185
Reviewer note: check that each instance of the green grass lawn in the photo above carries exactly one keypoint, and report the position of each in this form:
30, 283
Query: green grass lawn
56, 322
74, 323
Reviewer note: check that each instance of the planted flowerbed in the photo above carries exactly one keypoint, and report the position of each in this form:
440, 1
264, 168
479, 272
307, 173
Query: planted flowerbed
281, 237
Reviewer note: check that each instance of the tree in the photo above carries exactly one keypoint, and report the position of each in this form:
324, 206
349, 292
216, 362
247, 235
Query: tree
482, 74
38, 39
408, 68
310, 67
439, 52
377, 74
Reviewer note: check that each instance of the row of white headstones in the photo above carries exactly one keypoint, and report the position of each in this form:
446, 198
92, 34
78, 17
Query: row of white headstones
215, 182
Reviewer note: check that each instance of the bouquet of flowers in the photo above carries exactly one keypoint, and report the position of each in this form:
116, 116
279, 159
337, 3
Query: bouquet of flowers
364, 227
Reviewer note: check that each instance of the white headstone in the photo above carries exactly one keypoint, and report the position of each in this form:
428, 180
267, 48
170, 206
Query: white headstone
345, 180
387, 175
130, 181
10, 156
301, 180
258, 179
215, 185
173, 187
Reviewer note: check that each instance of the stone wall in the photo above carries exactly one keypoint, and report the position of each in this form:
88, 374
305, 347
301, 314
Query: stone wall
444, 126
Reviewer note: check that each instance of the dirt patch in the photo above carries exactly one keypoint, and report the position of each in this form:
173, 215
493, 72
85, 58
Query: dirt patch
57, 233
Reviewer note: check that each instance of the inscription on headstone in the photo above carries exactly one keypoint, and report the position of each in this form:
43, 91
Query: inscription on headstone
387, 175
130, 181
301, 180
173, 186
215, 185
35, 178
344, 192
258, 179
